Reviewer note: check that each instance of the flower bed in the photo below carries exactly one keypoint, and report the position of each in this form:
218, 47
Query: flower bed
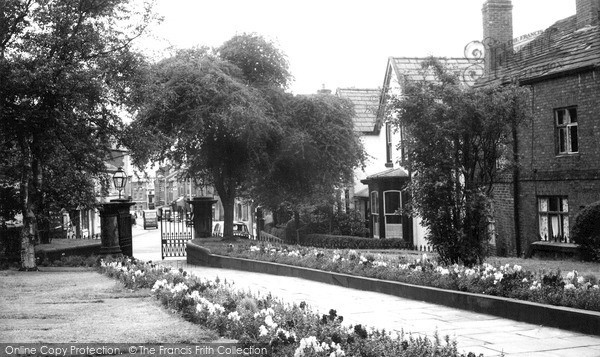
288, 329
551, 288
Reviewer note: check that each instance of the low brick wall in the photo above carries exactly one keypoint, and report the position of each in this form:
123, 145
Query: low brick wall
53, 254
553, 316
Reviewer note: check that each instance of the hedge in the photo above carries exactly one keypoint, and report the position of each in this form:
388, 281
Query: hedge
349, 242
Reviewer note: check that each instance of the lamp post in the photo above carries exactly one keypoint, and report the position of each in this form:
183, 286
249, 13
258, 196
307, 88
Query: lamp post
120, 179
115, 221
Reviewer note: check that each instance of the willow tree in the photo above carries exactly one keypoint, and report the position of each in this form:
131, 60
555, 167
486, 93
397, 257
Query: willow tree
66, 70
315, 156
210, 113
458, 140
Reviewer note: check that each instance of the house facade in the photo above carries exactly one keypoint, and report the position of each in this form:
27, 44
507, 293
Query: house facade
558, 150
380, 191
374, 140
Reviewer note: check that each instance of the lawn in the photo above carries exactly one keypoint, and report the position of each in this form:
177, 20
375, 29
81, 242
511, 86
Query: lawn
78, 305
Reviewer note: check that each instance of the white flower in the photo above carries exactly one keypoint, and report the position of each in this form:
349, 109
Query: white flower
580, 280
159, 284
569, 287
571, 275
379, 264
536, 285
285, 333
517, 267
263, 330
524, 280
269, 322
442, 271
498, 277
234, 316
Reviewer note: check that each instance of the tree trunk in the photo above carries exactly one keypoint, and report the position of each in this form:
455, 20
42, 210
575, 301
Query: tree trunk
27, 235
227, 192
297, 226
228, 206
76, 222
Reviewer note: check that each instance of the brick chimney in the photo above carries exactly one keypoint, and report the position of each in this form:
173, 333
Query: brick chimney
587, 13
497, 29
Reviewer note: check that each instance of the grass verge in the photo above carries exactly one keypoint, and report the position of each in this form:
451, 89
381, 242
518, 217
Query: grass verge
61, 305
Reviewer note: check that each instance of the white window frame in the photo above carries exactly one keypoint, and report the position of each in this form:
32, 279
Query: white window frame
374, 197
388, 143
393, 212
553, 224
567, 133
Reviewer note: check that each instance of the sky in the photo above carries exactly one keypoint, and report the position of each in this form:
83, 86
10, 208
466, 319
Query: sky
343, 43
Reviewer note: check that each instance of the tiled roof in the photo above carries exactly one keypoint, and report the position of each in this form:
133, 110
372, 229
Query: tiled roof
366, 104
559, 49
391, 173
410, 68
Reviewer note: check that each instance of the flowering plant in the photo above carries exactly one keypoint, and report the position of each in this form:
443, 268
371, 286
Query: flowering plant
510, 281
288, 329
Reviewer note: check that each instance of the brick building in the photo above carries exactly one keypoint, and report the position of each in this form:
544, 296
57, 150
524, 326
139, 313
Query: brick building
558, 150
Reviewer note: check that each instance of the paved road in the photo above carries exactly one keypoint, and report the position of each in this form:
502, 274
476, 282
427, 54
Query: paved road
478, 333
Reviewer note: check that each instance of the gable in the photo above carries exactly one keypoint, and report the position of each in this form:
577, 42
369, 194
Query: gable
411, 69
366, 106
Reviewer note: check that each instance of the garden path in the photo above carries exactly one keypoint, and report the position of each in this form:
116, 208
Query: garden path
474, 332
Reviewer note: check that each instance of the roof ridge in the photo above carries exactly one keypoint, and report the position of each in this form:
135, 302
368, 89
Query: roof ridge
426, 57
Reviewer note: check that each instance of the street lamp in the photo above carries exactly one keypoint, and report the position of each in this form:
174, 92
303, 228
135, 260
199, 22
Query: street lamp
119, 179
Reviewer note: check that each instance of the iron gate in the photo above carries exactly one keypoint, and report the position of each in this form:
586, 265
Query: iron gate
176, 229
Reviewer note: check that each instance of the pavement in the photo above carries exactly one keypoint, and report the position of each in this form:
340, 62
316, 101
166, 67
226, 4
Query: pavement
474, 332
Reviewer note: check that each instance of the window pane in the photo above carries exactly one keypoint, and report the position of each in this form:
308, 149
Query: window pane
562, 140
556, 231
393, 219
374, 202
565, 205
574, 141
573, 115
544, 227
553, 204
543, 204
566, 228
560, 117
392, 202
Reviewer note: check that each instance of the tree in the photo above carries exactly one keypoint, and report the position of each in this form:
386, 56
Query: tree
458, 141
201, 114
66, 69
315, 156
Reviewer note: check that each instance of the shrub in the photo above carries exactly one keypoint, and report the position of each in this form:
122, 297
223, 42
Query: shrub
586, 232
348, 242
349, 223
276, 231
323, 220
